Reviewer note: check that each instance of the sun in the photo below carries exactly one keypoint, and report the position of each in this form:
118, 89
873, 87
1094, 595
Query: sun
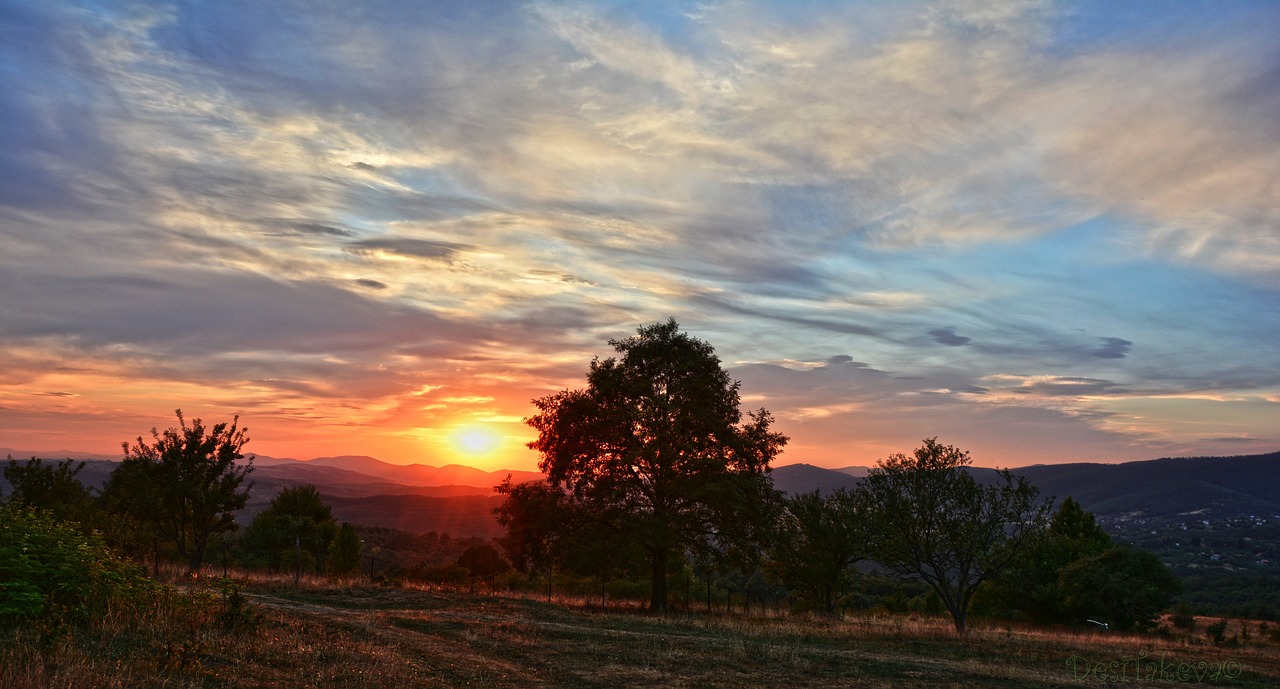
475, 441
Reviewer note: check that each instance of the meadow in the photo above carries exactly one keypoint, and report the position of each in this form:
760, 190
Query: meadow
262, 632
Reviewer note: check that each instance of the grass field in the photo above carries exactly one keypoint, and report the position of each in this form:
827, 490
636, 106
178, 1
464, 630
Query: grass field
320, 635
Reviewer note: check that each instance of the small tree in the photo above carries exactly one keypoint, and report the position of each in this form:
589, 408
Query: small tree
819, 540
934, 521
1127, 587
346, 551
482, 562
296, 519
536, 517
49, 488
1033, 583
186, 484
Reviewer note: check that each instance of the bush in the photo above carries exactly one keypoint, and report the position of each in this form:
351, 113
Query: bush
1217, 632
48, 567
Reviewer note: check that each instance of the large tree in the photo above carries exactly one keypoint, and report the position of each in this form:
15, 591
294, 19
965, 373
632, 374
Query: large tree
186, 484
935, 522
657, 447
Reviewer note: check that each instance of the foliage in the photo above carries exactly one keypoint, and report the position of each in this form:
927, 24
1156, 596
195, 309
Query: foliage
1073, 571
819, 540
482, 562
656, 447
536, 517
1032, 585
49, 567
185, 486
346, 551
296, 520
934, 521
52, 489
1126, 587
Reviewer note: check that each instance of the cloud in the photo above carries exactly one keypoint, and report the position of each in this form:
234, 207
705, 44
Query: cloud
1113, 348
412, 248
347, 203
948, 336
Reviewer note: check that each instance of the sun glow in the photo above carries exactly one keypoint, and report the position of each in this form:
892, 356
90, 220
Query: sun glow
475, 441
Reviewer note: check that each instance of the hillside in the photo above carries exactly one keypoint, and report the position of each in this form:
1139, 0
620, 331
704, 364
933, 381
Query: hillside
1156, 495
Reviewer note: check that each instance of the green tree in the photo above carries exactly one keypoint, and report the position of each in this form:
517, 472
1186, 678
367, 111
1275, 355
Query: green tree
1123, 586
819, 540
47, 566
346, 551
934, 521
1032, 585
296, 524
52, 489
656, 447
185, 485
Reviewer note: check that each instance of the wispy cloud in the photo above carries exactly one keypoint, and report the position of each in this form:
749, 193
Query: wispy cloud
312, 212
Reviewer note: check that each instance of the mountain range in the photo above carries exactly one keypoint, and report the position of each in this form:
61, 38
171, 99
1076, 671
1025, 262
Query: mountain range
458, 499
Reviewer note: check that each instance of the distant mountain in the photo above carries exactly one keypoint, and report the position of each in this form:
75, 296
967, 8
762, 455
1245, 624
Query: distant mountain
1224, 486
418, 474
56, 455
795, 479
419, 497
463, 516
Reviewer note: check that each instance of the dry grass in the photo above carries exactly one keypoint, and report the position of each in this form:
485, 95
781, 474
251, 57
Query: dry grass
327, 634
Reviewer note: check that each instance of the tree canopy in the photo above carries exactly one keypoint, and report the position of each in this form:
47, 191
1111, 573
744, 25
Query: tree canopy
657, 447
295, 531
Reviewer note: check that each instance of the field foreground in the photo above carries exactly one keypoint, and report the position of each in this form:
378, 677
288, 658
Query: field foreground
387, 637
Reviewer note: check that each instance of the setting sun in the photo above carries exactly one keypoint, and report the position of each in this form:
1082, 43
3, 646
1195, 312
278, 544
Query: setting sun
475, 441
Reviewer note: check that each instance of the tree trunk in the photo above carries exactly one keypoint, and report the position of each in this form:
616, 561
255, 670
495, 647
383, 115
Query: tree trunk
658, 602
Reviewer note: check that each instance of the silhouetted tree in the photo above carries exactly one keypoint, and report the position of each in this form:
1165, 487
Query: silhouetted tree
819, 540
186, 484
482, 562
656, 447
1123, 586
346, 551
536, 517
1032, 585
934, 521
296, 520
49, 488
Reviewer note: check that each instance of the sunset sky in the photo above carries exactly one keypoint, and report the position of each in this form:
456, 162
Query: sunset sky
1043, 232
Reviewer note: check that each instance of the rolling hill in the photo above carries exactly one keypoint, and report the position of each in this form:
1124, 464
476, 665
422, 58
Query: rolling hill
415, 496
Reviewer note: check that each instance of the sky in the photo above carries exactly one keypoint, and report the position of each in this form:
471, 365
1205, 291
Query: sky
1042, 232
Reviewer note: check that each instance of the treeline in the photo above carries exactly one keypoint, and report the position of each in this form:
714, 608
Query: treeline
174, 498
855, 550
653, 467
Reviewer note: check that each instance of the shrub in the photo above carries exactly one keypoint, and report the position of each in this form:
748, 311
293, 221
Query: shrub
1217, 632
48, 567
